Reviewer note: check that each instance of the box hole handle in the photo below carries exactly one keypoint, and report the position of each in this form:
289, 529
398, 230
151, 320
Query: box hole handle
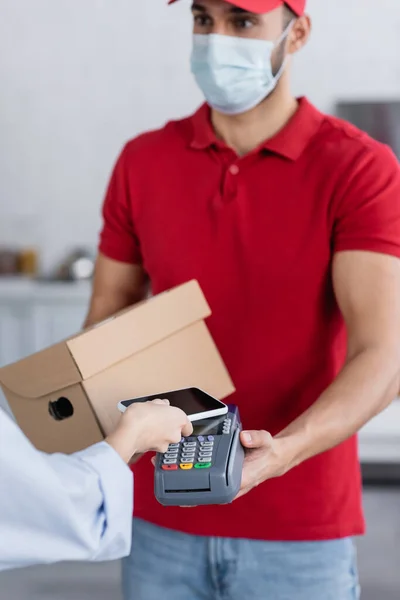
61, 409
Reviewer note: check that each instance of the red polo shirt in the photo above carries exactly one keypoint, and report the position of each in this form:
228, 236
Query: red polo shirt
258, 233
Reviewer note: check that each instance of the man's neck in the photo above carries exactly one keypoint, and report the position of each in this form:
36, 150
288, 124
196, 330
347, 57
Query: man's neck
243, 133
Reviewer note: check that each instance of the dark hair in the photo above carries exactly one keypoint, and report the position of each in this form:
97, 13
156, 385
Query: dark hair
288, 16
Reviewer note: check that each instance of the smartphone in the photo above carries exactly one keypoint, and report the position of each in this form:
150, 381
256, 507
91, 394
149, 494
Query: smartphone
194, 402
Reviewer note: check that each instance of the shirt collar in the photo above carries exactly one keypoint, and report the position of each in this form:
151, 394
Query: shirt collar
203, 135
290, 142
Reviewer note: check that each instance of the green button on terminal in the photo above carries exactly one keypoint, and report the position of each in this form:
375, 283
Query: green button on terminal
202, 466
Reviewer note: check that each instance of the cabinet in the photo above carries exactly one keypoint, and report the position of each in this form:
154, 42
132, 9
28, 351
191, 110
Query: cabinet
380, 439
36, 315
15, 332
55, 320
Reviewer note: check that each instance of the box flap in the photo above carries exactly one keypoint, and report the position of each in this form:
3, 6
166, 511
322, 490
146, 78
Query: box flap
48, 371
140, 327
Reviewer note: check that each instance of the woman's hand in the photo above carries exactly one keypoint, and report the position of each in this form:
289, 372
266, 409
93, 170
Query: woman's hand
149, 426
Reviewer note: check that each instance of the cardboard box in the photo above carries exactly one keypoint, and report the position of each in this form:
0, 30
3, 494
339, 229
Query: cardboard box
65, 397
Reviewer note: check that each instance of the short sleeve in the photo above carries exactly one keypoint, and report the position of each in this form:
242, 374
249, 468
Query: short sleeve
368, 209
118, 238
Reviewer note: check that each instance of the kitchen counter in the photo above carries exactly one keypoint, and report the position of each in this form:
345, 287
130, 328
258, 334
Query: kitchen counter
24, 289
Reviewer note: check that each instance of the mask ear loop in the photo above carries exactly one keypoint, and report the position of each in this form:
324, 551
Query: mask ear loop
285, 33
277, 43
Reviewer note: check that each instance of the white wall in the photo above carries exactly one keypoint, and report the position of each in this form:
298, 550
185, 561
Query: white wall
80, 77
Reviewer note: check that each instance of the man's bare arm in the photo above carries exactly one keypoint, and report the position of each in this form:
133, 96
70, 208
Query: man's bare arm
116, 286
367, 287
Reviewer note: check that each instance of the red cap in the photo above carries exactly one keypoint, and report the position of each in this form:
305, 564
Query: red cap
264, 6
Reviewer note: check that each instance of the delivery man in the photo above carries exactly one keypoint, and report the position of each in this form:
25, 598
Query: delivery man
79, 507
290, 221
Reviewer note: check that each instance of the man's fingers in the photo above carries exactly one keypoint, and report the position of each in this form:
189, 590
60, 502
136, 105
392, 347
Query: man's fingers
255, 439
153, 461
242, 493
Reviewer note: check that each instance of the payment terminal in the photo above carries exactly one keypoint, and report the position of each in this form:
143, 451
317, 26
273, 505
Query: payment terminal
205, 468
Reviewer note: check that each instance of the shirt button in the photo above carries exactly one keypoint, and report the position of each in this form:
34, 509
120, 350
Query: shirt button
234, 169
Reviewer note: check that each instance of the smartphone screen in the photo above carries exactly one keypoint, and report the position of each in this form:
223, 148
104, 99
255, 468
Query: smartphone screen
194, 402
208, 426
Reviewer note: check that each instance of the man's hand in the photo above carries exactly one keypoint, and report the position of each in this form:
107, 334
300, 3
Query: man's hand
266, 458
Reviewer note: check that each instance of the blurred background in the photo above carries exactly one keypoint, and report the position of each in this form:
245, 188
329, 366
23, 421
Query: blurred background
77, 80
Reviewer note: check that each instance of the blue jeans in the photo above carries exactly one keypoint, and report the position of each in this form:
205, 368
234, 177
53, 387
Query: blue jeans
169, 565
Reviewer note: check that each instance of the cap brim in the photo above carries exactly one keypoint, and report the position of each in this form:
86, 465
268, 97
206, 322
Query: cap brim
254, 6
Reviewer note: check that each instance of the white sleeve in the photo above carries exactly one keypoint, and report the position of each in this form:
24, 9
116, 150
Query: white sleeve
59, 508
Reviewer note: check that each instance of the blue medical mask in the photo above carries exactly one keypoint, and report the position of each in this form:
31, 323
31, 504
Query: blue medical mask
234, 74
